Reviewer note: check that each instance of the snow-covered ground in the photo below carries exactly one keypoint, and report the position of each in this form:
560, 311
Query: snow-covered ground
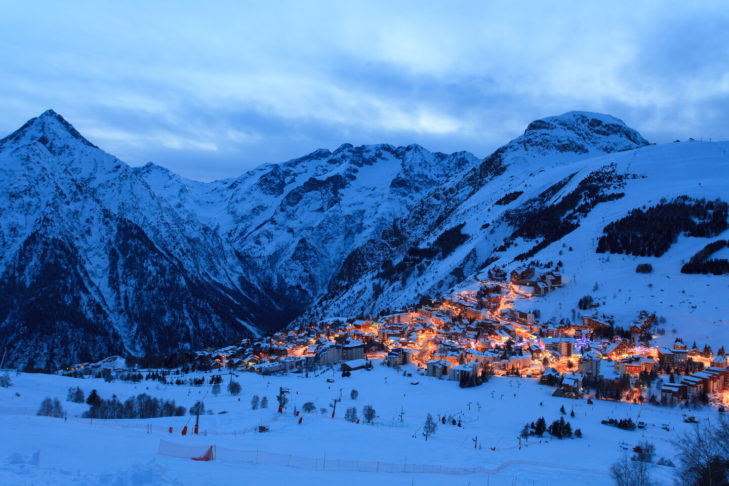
43, 450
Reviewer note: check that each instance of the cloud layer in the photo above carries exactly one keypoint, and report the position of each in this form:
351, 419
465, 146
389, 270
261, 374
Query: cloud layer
212, 91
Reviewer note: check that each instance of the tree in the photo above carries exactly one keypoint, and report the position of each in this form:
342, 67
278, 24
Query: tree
309, 407
644, 452
93, 399
234, 387
75, 395
254, 402
585, 302
704, 455
353, 394
5, 381
429, 427
630, 473
216, 389
369, 413
540, 427
351, 415
50, 408
264, 402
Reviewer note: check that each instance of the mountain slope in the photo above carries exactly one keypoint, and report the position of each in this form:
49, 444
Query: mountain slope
169, 263
101, 258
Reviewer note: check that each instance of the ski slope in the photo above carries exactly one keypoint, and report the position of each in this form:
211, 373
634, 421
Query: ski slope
43, 450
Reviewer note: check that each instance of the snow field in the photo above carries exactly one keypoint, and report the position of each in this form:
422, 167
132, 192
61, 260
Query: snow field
83, 451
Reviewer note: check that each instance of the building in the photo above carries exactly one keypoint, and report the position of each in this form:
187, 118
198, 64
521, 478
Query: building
562, 345
355, 364
466, 371
397, 356
572, 384
615, 349
673, 393
665, 358
353, 350
719, 362
328, 354
437, 368
590, 364
496, 273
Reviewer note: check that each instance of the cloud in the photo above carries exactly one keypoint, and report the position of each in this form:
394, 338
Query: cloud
211, 91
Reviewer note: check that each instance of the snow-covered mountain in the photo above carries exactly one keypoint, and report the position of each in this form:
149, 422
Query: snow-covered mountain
102, 258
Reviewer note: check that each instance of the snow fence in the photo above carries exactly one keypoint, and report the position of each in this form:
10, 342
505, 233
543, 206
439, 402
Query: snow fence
197, 452
186, 451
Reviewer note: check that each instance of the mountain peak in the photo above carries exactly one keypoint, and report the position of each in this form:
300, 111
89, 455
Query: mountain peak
595, 130
51, 130
579, 133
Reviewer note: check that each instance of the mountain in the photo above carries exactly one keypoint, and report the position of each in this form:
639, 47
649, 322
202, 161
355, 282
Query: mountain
101, 258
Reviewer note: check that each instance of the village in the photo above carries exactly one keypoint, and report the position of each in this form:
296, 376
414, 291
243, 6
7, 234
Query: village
477, 333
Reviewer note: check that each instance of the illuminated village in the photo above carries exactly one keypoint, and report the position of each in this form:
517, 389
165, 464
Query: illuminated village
477, 333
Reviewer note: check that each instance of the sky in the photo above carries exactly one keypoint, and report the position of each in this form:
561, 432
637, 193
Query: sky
213, 89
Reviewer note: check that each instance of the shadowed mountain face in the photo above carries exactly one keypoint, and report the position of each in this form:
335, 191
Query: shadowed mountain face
100, 258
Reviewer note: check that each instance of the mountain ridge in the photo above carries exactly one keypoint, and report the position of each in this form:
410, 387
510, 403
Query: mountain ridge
173, 263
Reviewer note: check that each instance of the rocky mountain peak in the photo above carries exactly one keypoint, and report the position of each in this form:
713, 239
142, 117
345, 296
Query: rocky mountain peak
49, 129
580, 132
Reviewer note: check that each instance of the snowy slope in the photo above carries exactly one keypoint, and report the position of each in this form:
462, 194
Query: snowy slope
35, 450
558, 177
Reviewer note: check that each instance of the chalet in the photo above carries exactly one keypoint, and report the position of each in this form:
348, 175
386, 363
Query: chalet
438, 368
497, 274
615, 349
719, 362
672, 393
630, 366
593, 322
523, 276
355, 364
635, 365
572, 384
549, 376
553, 279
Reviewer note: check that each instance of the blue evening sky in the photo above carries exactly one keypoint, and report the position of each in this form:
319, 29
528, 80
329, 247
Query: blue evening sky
212, 89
